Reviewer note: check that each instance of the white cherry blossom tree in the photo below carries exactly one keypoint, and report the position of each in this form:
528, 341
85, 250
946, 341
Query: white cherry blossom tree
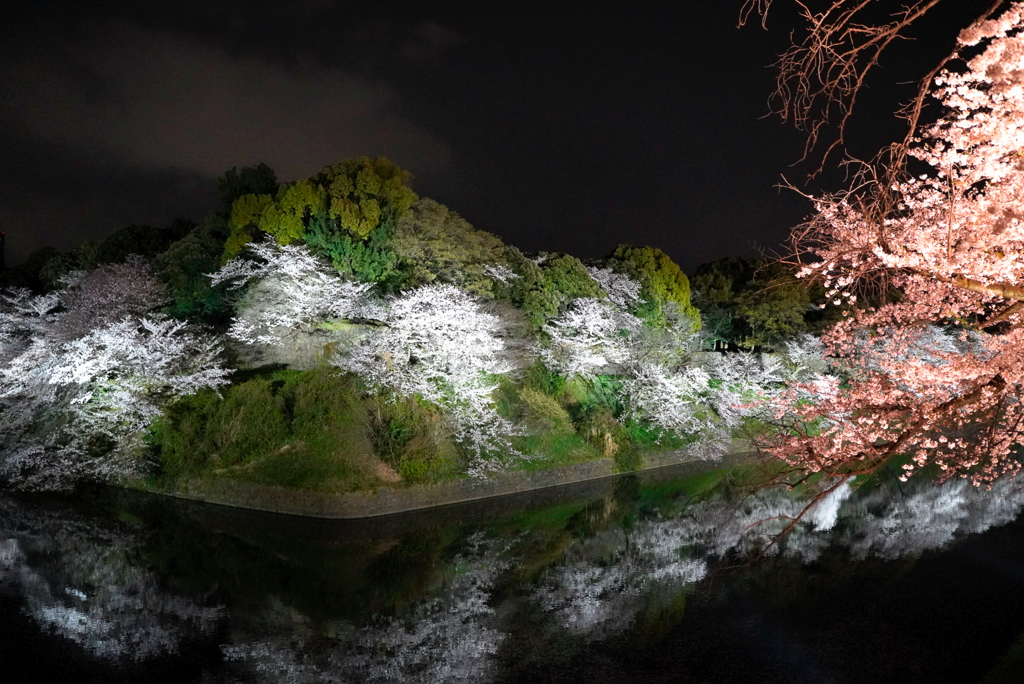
84, 370
294, 291
440, 343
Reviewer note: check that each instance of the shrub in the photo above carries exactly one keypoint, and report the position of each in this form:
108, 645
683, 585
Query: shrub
302, 429
543, 413
372, 260
411, 436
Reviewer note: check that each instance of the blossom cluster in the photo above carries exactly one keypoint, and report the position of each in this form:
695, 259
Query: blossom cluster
91, 364
936, 373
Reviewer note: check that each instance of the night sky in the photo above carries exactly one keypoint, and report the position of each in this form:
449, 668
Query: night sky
558, 131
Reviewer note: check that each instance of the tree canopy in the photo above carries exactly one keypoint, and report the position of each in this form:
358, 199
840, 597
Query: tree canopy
436, 244
661, 279
350, 199
936, 376
751, 302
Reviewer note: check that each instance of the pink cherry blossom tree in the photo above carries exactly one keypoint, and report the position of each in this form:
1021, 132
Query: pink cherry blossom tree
937, 372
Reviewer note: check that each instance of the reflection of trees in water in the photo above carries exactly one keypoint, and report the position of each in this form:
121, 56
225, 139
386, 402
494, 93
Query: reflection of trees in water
890, 522
617, 570
450, 636
584, 573
80, 580
604, 581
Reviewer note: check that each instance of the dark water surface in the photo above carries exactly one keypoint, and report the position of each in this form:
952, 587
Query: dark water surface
637, 579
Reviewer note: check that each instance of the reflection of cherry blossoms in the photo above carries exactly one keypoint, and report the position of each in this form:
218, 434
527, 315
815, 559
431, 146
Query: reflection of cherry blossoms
80, 581
603, 582
449, 637
892, 522
607, 582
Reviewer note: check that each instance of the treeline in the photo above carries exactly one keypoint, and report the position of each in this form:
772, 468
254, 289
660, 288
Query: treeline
370, 336
363, 217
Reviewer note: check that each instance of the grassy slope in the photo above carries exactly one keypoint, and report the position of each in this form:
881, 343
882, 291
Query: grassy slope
320, 430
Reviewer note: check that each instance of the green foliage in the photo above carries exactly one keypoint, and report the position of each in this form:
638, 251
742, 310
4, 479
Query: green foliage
436, 244
642, 435
542, 290
249, 180
661, 280
751, 302
555, 448
184, 267
410, 436
542, 378
600, 429
286, 218
337, 211
365, 193
543, 413
370, 260
551, 407
300, 429
243, 222
567, 277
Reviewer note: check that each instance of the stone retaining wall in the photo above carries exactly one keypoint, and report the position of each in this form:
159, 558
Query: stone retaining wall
387, 501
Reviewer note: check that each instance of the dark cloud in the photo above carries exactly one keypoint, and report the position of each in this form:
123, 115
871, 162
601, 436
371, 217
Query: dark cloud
161, 100
557, 131
430, 42
57, 196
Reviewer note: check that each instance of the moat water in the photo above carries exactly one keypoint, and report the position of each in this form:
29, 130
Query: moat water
653, 578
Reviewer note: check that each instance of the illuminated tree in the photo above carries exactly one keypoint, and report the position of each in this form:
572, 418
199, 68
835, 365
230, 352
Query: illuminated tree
294, 293
85, 369
544, 285
661, 280
441, 344
590, 337
366, 193
350, 199
937, 375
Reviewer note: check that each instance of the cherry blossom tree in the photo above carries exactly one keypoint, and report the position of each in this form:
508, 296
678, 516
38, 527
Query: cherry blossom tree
440, 343
85, 369
591, 336
294, 291
663, 385
936, 372
435, 341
